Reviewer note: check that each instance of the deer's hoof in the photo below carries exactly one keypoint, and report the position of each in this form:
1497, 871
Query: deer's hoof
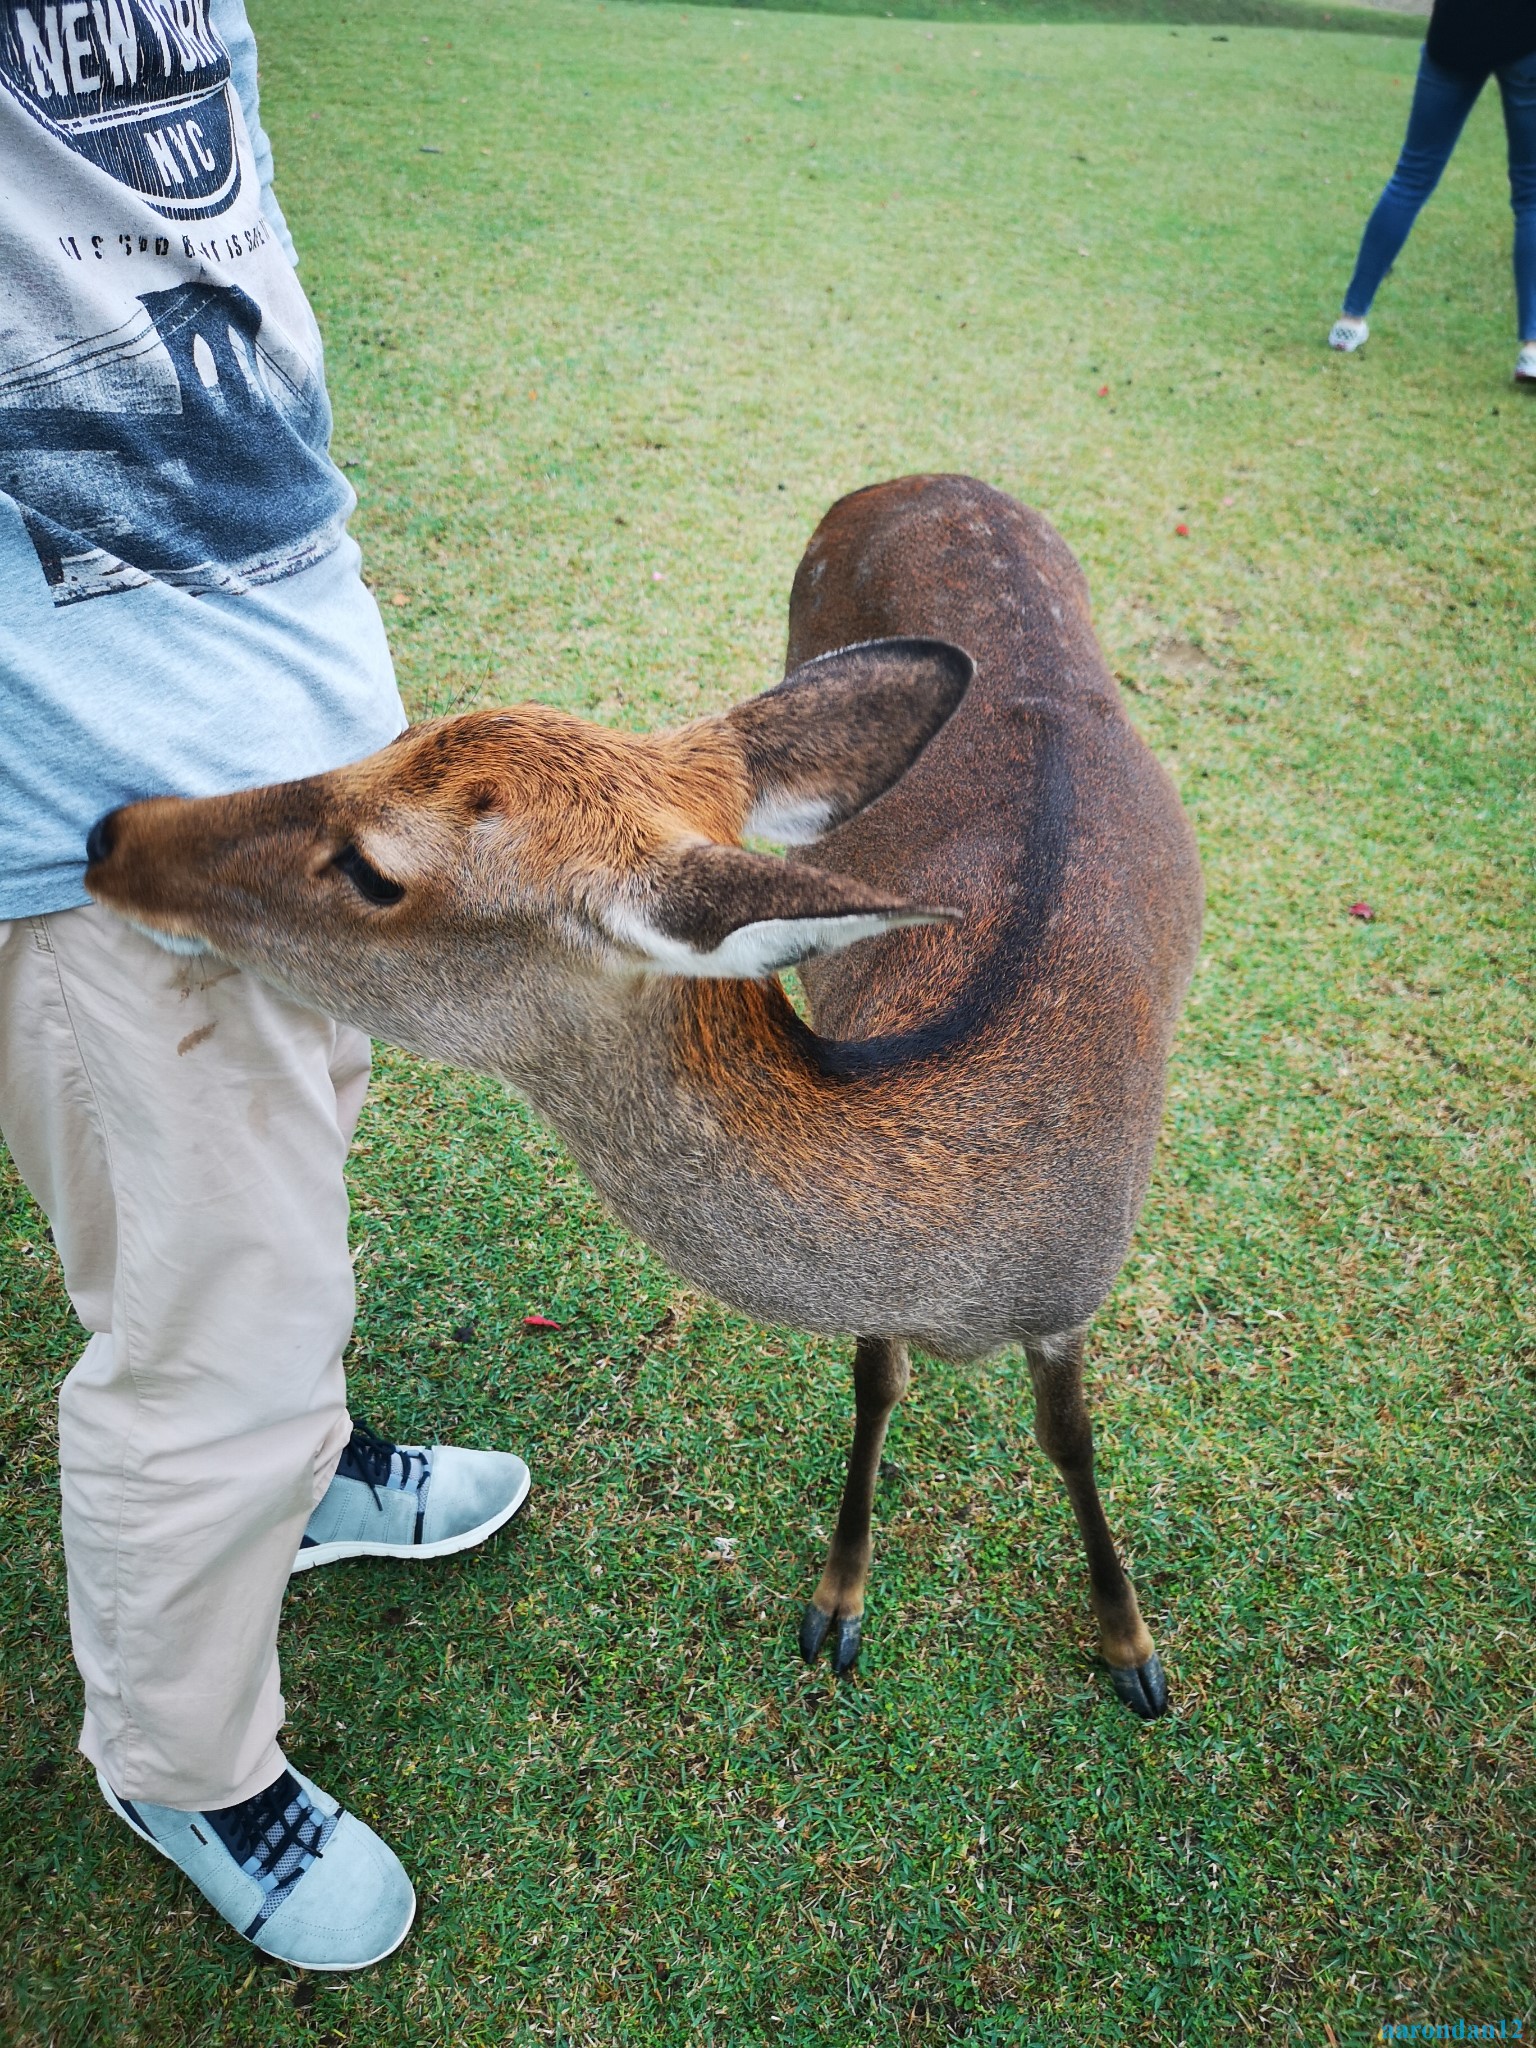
845, 1650
815, 1627
1143, 1688
813, 1633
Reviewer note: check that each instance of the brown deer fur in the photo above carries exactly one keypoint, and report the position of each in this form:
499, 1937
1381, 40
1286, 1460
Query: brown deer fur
955, 1156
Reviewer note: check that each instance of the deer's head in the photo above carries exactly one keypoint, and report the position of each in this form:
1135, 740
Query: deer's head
484, 871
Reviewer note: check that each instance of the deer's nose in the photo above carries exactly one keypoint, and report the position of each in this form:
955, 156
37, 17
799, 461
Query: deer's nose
99, 840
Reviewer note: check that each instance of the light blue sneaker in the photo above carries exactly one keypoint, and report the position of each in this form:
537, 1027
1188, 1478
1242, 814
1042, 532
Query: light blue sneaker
405, 1500
293, 1872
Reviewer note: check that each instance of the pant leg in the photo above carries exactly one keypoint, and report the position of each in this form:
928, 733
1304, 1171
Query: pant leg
1442, 100
1517, 88
184, 1127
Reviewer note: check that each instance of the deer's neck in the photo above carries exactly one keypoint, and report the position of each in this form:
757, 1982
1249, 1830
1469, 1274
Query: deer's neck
705, 1115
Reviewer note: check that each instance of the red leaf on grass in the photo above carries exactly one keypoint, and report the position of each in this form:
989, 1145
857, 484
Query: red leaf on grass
1103, 391
541, 1323
1363, 911
1182, 528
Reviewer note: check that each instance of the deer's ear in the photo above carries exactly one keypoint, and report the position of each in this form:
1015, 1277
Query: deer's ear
724, 914
837, 732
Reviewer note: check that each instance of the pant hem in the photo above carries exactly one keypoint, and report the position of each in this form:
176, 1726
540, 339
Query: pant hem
159, 1790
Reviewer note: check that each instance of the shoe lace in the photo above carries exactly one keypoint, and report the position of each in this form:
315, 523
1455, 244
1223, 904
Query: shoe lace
377, 1462
274, 1837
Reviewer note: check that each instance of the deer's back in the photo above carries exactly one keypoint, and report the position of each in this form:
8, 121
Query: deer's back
1018, 1058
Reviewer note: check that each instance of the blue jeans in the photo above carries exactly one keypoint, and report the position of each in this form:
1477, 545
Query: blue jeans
1442, 101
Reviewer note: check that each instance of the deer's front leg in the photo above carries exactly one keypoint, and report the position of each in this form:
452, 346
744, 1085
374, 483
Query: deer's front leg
1065, 1435
881, 1370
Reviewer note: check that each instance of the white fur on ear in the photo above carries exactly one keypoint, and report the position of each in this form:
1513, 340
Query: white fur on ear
788, 819
753, 951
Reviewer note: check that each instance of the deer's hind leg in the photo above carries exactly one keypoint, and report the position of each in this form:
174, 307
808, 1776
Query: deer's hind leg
1064, 1433
881, 1370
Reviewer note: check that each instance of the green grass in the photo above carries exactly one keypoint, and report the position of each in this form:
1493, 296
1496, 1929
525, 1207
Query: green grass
1370, 19
677, 278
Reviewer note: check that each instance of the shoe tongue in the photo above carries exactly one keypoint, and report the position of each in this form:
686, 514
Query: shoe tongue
246, 1829
377, 1462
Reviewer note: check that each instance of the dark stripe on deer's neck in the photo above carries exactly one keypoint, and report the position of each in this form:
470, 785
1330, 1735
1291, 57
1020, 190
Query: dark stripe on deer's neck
1000, 969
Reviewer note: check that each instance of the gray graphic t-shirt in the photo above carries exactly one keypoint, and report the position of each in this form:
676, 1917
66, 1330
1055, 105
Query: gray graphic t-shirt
181, 609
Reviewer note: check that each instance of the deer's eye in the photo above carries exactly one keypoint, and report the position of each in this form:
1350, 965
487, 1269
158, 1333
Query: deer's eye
365, 877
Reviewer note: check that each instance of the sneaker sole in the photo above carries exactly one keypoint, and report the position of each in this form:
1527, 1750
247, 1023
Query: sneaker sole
333, 1553
334, 1969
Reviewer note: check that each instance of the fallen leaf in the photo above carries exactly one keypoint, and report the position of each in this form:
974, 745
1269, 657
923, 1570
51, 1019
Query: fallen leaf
1363, 911
1183, 529
541, 1323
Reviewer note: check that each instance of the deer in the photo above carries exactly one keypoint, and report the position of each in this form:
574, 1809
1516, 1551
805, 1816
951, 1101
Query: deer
992, 897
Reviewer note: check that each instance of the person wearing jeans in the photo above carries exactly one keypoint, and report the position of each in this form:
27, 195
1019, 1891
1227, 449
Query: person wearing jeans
1468, 41
182, 611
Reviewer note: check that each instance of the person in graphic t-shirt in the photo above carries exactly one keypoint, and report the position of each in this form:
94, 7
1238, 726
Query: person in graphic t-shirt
181, 611
1468, 40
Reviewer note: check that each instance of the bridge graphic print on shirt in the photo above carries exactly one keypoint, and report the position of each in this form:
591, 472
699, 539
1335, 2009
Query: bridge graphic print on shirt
180, 448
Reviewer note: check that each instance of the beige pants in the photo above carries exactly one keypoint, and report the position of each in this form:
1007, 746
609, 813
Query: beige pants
184, 1129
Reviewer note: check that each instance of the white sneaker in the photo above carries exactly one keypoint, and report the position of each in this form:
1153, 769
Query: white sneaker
1525, 363
411, 1500
1347, 333
291, 1870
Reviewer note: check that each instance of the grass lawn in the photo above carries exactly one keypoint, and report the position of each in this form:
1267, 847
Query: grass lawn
617, 300
1373, 17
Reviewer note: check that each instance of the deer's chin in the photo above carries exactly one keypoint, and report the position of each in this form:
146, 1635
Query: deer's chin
170, 942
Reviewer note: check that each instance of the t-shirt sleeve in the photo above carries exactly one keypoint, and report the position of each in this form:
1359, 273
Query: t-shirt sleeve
235, 32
